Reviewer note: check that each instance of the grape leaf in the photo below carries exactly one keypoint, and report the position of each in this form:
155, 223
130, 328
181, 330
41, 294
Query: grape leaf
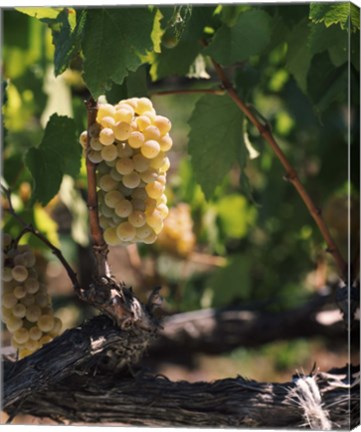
113, 41
65, 39
337, 13
333, 39
231, 282
58, 154
178, 60
40, 12
299, 56
215, 140
248, 36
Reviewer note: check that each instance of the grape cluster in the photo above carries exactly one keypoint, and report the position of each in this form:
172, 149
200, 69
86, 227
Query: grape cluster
129, 142
177, 236
26, 306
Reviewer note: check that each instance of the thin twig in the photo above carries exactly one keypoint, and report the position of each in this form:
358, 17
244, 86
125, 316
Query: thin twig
29, 228
291, 173
100, 248
188, 91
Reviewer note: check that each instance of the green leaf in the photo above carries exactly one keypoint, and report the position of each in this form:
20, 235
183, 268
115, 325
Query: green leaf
157, 31
66, 40
231, 282
333, 39
299, 56
58, 154
235, 215
114, 40
336, 13
249, 36
40, 12
215, 140
178, 60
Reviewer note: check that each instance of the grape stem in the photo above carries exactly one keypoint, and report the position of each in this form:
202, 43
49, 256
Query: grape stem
100, 248
29, 228
291, 174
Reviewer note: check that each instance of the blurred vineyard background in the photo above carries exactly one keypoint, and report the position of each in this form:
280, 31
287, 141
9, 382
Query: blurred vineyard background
253, 245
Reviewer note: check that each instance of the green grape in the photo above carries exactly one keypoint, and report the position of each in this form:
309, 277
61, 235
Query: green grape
143, 122
20, 291
107, 122
110, 236
19, 273
9, 300
28, 300
125, 231
124, 113
149, 176
7, 274
94, 156
124, 150
151, 133
124, 166
46, 323
124, 208
19, 310
144, 104
83, 139
95, 144
21, 335
13, 324
109, 153
105, 110
131, 180
122, 131
163, 124
33, 313
32, 285
112, 198
137, 218
141, 163
107, 183
106, 136
35, 333
150, 149
136, 139
155, 190
165, 143
144, 231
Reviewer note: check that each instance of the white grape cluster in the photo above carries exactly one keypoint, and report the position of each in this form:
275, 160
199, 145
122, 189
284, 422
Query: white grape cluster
177, 236
26, 306
129, 143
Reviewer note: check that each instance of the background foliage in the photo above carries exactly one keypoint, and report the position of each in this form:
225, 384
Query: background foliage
288, 61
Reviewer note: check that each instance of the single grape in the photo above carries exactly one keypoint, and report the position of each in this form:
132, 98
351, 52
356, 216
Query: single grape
124, 150
150, 239
112, 198
125, 231
21, 335
29, 258
106, 136
19, 273
155, 189
35, 333
83, 139
107, 183
163, 209
144, 232
140, 193
45, 322
9, 300
138, 204
13, 324
20, 291
163, 124
151, 133
136, 139
165, 167
19, 310
143, 122
122, 131
115, 175
123, 208
150, 114
144, 104
107, 122
28, 300
124, 166
150, 149
140, 162
149, 176
94, 156
95, 144
32, 285
41, 299
137, 218
110, 236
109, 153
33, 313
131, 180
165, 143
7, 274
154, 219
45, 339
124, 114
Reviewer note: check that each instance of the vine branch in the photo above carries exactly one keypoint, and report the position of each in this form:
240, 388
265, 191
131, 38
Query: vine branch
29, 228
100, 248
291, 174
